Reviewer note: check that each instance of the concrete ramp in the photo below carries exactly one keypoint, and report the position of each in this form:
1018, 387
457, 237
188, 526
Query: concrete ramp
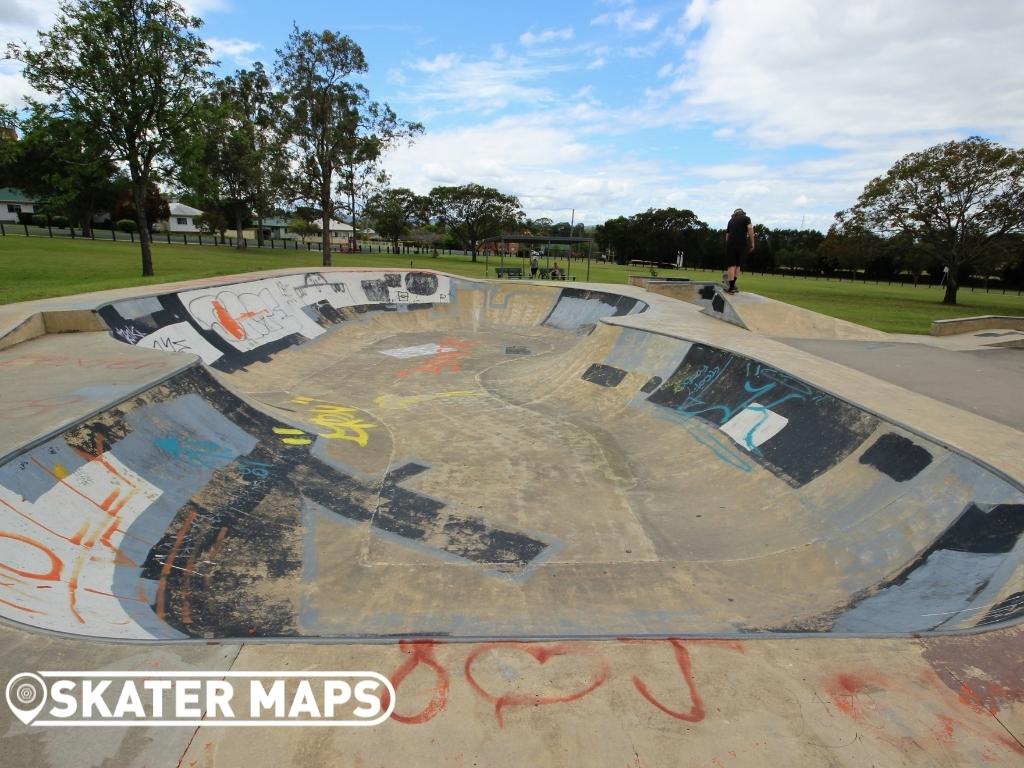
356, 454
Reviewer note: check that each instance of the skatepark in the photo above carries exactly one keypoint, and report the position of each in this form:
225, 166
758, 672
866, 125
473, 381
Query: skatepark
650, 517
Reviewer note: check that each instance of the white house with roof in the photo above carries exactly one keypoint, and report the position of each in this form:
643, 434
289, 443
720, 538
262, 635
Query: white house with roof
183, 219
12, 202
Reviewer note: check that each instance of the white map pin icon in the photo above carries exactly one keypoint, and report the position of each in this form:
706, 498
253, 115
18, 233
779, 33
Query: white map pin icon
26, 696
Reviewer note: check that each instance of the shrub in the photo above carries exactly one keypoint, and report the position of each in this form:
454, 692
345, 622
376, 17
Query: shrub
127, 225
40, 219
59, 221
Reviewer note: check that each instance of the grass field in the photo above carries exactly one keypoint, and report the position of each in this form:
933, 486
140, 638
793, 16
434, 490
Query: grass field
35, 268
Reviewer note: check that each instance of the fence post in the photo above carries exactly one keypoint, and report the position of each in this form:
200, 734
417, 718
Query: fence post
132, 236
2, 230
72, 233
168, 235
49, 227
113, 234
92, 233
200, 238
184, 237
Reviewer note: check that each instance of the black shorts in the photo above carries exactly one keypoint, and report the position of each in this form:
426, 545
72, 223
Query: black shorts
736, 258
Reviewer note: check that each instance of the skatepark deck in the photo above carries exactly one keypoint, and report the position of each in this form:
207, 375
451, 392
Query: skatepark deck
469, 480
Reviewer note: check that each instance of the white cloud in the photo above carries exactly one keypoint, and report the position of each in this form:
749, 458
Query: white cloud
233, 48
481, 86
440, 63
628, 20
812, 71
531, 38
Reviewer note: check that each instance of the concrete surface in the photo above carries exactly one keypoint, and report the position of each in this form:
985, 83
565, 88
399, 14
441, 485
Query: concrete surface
571, 515
975, 380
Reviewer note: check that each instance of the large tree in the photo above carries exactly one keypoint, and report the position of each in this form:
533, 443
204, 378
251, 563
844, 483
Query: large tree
233, 161
472, 212
130, 70
314, 72
395, 212
961, 200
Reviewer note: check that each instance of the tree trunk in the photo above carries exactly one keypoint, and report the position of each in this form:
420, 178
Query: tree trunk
472, 249
352, 210
259, 229
951, 289
325, 232
240, 241
140, 218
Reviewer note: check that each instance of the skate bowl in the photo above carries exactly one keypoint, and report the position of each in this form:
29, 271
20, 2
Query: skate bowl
372, 455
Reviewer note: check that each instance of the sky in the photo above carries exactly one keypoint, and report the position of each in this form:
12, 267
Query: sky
786, 108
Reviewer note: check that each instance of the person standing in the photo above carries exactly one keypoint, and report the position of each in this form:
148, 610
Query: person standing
534, 264
739, 241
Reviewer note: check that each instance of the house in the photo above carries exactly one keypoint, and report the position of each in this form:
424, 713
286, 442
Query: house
12, 202
341, 232
183, 219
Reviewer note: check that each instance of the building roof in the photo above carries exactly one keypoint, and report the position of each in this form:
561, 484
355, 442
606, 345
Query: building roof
340, 226
12, 195
180, 209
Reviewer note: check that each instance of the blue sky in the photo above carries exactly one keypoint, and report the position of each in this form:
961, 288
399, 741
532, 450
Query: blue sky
784, 107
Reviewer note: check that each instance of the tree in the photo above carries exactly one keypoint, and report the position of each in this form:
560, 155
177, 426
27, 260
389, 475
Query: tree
130, 70
962, 199
321, 115
472, 212
377, 130
61, 165
155, 206
254, 109
395, 212
9, 145
303, 227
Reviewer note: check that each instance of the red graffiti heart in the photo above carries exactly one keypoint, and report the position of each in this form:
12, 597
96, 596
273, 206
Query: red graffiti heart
592, 679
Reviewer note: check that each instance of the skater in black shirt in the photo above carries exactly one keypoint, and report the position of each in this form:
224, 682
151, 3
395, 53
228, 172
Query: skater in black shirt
739, 241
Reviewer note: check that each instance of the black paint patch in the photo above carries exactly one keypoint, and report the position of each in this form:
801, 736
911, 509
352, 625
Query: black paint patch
713, 385
896, 456
618, 304
604, 375
376, 290
517, 350
707, 292
652, 384
992, 532
421, 283
393, 280
718, 303
217, 562
1005, 610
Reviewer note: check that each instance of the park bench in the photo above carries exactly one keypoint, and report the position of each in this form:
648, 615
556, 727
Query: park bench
508, 272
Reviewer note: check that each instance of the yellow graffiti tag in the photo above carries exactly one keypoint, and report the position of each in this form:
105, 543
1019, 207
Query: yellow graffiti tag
397, 403
342, 422
299, 438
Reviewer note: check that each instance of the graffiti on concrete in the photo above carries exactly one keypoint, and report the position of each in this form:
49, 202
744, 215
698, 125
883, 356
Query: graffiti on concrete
789, 427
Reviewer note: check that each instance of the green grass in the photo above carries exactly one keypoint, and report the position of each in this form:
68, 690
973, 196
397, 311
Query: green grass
35, 268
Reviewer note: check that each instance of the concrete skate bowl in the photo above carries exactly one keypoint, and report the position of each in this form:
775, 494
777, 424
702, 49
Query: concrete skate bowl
374, 455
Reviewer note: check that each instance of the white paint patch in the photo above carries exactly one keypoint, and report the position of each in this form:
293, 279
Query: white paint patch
423, 350
181, 337
249, 315
58, 554
753, 426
